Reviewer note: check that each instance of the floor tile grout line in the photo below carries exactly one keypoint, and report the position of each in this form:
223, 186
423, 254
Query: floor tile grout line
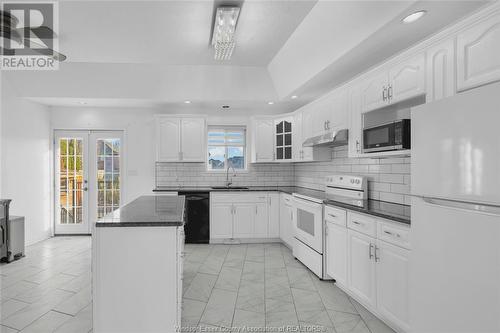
239, 286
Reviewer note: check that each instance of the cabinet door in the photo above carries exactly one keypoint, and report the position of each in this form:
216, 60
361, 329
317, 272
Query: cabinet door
193, 140
274, 215
374, 92
297, 139
478, 54
221, 220
307, 124
407, 79
243, 222
361, 267
283, 139
264, 138
338, 117
355, 128
392, 283
336, 253
261, 222
168, 139
440, 72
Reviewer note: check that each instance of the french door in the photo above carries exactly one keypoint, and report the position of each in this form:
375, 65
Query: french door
87, 178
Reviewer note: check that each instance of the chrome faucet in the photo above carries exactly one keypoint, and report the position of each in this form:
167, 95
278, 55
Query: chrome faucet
228, 183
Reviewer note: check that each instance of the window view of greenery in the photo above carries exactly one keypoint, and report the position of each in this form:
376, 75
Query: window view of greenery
108, 176
226, 148
70, 180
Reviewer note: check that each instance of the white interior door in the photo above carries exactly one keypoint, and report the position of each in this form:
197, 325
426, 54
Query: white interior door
71, 177
87, 178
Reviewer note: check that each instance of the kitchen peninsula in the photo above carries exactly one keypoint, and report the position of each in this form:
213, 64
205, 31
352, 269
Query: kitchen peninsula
137, 266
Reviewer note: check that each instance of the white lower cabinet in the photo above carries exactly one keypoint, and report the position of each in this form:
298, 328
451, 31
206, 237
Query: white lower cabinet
336, 249
244, 215
369, 259
392, 283
286, 232
361, 267
221, 220
244, 218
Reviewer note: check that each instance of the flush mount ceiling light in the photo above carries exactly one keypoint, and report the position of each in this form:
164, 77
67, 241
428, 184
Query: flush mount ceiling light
294, 97
187, 102
224, 28
270, 103
414, 16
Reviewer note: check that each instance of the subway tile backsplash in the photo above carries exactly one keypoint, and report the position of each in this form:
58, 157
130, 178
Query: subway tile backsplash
388, 178
196, 174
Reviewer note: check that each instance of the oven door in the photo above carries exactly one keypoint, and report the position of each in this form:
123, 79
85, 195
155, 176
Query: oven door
309, 223
380, 138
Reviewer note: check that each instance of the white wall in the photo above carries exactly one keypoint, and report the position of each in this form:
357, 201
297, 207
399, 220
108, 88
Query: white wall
25, 162
139, 138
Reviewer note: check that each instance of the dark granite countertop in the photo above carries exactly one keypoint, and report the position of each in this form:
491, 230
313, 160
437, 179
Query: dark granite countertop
388, 210
147, 211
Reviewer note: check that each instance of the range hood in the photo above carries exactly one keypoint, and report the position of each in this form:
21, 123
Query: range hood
330, 139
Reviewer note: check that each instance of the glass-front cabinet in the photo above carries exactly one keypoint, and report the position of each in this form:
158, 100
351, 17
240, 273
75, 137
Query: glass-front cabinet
283, 141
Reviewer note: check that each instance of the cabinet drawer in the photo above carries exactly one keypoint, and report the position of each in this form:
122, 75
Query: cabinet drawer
238, 197
362, 223
336, 215
393, 233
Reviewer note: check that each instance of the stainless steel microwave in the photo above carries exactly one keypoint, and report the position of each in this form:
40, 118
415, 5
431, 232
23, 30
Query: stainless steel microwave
390, 136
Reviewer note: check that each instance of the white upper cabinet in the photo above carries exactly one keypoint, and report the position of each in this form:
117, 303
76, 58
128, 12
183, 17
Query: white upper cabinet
478, 54
193, 138
355, 139
375, 91
180, 139
440, 71
283, 139
168, 139
403, 80
263, 140
407, 79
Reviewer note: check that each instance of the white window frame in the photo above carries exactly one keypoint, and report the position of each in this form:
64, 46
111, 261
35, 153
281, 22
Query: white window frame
228, 128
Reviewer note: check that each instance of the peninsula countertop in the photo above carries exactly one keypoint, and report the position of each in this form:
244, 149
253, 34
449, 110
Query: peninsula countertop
147, 211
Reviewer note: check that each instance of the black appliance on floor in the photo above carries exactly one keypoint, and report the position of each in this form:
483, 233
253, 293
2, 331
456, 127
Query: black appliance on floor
197, 221
4, 218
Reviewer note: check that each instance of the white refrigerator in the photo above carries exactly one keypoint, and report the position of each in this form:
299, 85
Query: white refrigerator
455, 177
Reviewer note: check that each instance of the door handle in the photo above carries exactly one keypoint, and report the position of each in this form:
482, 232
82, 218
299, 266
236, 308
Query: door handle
377, 258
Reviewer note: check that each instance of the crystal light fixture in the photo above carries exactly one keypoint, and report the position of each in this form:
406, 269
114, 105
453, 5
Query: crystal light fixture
224, 28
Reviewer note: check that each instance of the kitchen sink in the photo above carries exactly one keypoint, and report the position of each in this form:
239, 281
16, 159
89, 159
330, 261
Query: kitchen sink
229, 188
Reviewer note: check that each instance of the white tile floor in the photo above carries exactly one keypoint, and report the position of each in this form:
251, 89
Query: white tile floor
253, 286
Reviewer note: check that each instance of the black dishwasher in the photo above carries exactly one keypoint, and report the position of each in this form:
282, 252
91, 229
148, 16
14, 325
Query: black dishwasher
197, 219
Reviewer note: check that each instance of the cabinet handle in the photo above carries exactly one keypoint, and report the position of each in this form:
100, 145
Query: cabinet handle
377, 258
328, 124
389, 93
326, 230
356, 222
384, 93
332, 215
256, 210
391, 234
357, 146
256, 156
370, 254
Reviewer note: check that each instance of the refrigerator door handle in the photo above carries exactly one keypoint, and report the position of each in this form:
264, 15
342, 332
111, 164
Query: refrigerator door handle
475, 207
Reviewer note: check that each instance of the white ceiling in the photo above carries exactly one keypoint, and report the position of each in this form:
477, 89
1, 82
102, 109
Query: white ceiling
158, 54
173, 32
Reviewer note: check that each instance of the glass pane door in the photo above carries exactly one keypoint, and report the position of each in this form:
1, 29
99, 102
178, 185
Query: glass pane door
71, 183
106, 171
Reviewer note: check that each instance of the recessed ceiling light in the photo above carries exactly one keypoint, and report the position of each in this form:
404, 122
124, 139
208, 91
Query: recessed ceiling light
414, 16
270, 103
294, 96
187, 102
